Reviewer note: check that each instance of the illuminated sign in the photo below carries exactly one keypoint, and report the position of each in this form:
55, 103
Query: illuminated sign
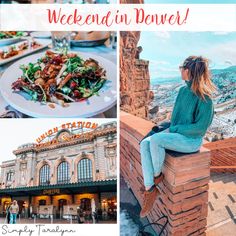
51, 191
57, 141
69, 125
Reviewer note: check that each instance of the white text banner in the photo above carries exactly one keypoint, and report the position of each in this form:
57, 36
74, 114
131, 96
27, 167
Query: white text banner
125, 17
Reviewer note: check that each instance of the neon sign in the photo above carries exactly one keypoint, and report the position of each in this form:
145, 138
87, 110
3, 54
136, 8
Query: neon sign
69, 125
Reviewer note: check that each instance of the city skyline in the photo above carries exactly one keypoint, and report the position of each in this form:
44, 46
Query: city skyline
168, 50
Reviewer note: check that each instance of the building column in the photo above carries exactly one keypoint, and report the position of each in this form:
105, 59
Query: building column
99, 200
30, 206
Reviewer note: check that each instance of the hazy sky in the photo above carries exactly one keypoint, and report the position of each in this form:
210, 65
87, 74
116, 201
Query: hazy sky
167, 50
15, 132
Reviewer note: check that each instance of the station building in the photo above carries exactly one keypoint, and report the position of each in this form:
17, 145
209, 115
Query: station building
63, 171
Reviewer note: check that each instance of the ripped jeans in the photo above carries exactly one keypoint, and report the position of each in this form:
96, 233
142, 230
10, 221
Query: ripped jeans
153, 152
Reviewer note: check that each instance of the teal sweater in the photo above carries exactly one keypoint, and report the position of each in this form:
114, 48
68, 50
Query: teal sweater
191, 115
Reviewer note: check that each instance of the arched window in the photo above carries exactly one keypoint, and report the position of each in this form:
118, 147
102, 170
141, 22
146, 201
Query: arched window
44, 175
42, 202
85, 172
63, 173
85, 204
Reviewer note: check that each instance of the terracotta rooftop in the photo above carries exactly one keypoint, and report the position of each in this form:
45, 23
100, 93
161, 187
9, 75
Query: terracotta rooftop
223, 155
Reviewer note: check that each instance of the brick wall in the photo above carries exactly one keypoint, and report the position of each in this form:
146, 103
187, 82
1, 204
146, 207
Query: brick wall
134, 76
223, 157
185, 187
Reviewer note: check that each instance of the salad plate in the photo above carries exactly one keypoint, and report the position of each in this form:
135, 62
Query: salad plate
41, 34
23, 48
4, 42
83, 85
10, 37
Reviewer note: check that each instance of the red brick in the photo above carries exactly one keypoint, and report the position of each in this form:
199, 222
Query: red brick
185, 187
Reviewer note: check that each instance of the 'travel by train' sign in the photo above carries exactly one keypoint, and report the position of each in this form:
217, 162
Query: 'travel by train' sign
65, 136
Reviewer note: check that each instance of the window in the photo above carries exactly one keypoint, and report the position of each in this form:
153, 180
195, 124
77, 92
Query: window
42, 202
85, 172
63, 173
85, 204
44, 175
110, 138
23, 166
61, 203
10, 176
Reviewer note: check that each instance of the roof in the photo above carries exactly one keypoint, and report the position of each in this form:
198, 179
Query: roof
223, 153
225, 143
108, 185
89, 136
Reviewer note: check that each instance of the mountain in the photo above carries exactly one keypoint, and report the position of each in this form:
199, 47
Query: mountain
228, 69
166, 90
165, 80
225, 80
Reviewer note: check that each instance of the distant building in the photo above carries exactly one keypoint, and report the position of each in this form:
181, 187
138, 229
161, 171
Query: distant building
63, 174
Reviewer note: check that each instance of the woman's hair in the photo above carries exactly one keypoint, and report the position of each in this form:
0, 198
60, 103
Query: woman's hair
200, 76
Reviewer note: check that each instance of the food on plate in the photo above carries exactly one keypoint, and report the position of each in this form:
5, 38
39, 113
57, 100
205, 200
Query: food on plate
16, 50
10, 34
35, 44
61, 79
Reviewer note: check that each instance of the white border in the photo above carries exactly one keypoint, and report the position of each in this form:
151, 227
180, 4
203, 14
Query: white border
201, 17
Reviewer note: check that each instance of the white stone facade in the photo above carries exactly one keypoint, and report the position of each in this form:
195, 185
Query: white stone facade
100, 148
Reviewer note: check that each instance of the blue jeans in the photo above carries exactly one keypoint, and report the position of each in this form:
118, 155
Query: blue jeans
152, 151
13, 218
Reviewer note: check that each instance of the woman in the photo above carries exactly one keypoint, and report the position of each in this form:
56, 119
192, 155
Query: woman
93, 210
14, 210
192, 115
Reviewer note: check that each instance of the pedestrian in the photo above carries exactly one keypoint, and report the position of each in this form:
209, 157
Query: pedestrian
14, 210
93, 208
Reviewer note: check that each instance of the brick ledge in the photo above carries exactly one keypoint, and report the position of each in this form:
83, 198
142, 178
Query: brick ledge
185, 187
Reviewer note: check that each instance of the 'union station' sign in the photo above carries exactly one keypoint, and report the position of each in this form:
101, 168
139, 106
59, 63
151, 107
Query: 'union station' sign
65, 136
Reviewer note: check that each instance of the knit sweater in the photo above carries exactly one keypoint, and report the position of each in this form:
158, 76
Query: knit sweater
191, 115
14, 209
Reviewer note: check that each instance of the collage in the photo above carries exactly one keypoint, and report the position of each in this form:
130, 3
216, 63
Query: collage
118, 132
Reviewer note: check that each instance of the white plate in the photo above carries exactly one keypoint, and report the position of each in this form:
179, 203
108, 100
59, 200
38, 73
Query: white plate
88, 43
9, 41
44, 44
88, 108
41, 34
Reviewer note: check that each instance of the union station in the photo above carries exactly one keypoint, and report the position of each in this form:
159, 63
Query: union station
66, 170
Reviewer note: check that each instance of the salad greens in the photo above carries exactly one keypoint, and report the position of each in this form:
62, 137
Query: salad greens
10, 34
61, 78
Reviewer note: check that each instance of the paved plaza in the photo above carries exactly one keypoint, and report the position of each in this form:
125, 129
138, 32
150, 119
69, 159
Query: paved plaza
222, 205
